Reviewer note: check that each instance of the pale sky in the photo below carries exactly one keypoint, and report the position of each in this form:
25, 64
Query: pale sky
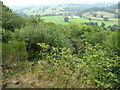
39, 2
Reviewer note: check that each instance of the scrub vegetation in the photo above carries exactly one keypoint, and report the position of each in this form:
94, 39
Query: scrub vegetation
40, 54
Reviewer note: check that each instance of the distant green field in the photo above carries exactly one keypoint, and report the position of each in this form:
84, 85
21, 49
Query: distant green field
39, 11
55, 19
60, 20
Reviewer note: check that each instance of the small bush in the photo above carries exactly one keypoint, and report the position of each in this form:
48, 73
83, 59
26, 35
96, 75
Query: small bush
12, 52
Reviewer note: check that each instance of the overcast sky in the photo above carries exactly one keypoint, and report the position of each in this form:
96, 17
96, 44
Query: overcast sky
39, 2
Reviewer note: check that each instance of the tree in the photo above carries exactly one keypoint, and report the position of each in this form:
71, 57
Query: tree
80, 15
95, 14
96, 23
66, 19
90, 19
118, 15
105, 19
10, 20
102, 24
101, 16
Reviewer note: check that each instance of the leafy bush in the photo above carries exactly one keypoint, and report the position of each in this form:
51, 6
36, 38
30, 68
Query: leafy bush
10, 20
111, 43
94, 36
6, 35
12, 52
100, 68
43, 33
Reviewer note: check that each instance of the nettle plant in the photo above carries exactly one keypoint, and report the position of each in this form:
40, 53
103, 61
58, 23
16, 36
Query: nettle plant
99, 67
59, 56
56, 53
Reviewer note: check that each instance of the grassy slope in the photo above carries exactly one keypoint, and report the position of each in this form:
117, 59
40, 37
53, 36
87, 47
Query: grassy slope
60, 20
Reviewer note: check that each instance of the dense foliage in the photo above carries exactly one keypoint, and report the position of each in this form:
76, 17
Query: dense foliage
71, 55
11, 21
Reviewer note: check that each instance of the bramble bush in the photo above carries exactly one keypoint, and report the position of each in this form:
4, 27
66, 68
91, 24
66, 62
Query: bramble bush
12, 52
100, 68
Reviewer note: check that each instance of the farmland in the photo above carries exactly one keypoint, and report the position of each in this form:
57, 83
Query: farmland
42, 48
111, 16
56, 13
43, 10
60, 20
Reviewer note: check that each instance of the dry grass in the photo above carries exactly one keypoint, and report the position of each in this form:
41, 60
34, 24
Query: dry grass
44, 75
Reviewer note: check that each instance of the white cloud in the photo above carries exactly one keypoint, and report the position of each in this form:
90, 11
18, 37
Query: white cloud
34, 2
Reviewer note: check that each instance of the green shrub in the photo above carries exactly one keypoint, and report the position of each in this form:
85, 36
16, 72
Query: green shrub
10, 20
43, 33
111, 43
94, 36
13, 51
6, 35
100, 67
56, 55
